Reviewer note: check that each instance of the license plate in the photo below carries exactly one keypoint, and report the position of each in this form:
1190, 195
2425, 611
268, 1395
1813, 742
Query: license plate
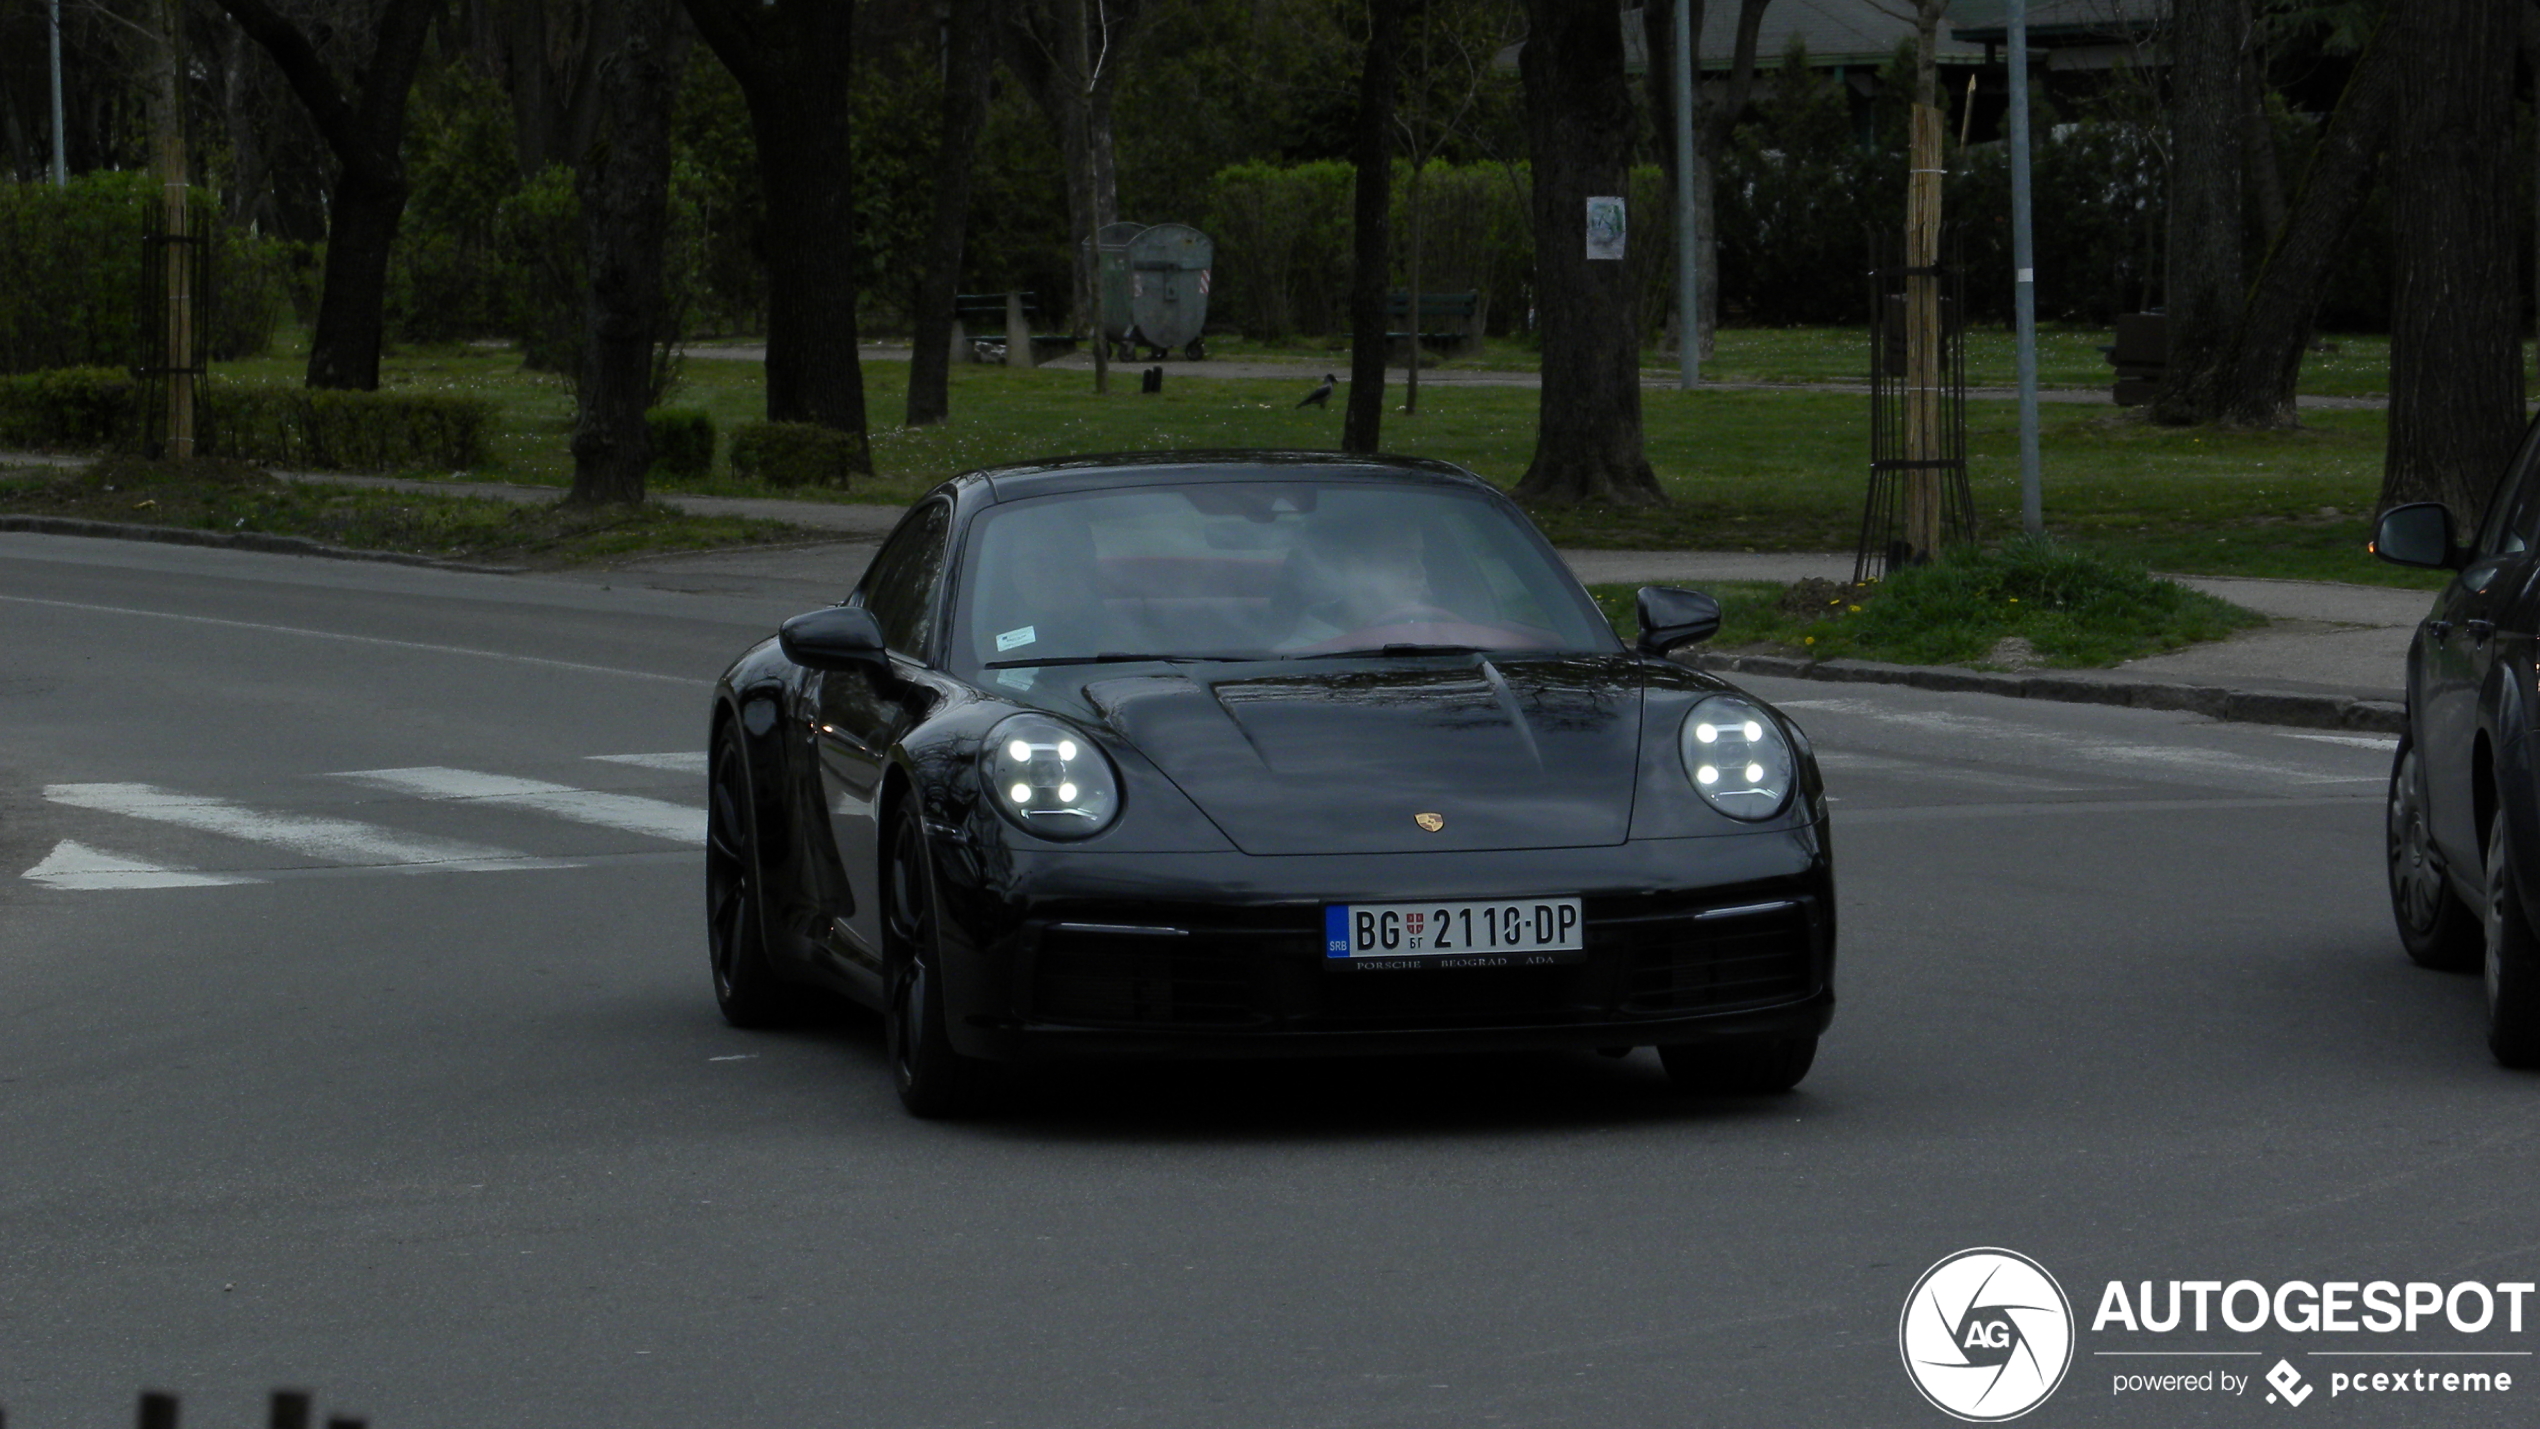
1517, 932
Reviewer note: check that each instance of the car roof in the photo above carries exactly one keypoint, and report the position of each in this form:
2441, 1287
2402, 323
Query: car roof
1119, 469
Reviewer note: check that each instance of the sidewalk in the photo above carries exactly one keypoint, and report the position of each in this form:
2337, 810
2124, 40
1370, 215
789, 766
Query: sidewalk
2332, 657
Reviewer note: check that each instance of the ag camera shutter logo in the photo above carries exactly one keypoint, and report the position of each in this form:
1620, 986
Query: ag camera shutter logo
1986, 1335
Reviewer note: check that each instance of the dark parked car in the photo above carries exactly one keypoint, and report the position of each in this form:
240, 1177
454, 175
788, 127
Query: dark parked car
2464, 826
1192, 755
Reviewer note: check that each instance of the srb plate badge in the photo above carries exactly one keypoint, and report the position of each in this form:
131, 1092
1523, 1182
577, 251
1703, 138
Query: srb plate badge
1526, 932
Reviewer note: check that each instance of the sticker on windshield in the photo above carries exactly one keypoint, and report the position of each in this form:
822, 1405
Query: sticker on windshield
1016, 679
1012, 638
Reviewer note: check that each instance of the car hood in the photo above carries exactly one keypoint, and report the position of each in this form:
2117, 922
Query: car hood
1339, 758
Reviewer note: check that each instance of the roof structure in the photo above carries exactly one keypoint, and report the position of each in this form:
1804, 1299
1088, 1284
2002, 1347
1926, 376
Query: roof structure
2058, 23
1839, 34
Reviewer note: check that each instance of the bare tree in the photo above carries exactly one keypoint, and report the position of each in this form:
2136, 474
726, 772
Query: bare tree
1070, 55
2455, 344
1371, 275
2209, 46
624, 179
363, 119
1579, 125
970, 54
789, 58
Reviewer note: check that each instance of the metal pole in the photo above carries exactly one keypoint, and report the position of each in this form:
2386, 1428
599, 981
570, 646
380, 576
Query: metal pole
2024, 286
61, 165
1688, 245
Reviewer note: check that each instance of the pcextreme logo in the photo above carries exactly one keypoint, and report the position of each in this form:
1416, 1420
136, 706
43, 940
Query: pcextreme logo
1986, 1335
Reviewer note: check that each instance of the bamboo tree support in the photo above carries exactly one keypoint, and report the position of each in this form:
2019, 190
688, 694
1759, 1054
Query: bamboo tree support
1926, 437
169, 141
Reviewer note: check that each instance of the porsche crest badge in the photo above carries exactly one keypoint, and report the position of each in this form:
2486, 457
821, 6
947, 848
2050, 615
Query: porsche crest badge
1431, 822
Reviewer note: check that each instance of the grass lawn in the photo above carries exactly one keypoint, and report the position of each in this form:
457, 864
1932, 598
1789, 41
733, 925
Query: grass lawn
2355, 365
233, 496
1746, 470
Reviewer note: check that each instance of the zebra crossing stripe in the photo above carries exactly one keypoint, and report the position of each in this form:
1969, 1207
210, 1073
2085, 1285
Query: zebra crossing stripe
628, 813
316, 836
677, 761
76, 866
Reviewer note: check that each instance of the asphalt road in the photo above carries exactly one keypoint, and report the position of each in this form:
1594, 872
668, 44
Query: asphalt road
354, 1034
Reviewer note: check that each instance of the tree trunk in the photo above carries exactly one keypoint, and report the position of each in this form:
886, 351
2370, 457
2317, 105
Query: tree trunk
2253, 381
2455, 340
1372, 269
1578, 130
1051, 47
790, 57
2205, 288
552, 50
969, 62
624, 181
365, 130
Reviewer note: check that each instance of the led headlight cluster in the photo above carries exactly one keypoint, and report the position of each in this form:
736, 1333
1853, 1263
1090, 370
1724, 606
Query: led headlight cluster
1737, 758
1048, 778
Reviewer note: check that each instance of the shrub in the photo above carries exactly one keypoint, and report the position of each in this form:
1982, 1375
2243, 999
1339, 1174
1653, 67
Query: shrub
683, 442
794, 454
93, 408
80, 408
73, 259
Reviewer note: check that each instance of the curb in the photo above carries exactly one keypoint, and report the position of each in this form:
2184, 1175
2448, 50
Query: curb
2343, 712
237, 541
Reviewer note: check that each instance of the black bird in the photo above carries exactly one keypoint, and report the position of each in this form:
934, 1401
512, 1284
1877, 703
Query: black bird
1320, 396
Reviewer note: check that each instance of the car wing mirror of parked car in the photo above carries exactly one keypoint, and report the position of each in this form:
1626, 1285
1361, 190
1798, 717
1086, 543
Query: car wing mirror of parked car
1670, 617
837, 637
2418, 534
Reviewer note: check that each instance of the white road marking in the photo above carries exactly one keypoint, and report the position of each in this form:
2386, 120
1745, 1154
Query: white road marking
76, 866
677, 761
360, 639
317, 836
2382, 742
629, 813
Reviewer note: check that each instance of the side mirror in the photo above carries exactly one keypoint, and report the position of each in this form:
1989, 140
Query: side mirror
1671, 617
2418, 534
837, 637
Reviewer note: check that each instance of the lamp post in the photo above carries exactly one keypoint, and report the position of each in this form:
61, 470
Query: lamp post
1688, 243
2024, 275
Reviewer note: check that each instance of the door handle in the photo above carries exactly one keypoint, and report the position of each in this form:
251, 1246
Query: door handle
2439, 629
2479, 629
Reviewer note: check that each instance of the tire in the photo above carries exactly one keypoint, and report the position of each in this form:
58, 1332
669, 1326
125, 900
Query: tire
2435, 927
933, 1080
746, 987
1747, 1066
2512, 959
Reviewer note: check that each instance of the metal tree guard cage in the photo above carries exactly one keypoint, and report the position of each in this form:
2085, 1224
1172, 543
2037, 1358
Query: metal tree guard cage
1893, 462
163, 352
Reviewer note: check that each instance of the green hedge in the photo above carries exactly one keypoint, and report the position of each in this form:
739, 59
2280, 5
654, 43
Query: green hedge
683, 442
98, 408
793, 454
72, 256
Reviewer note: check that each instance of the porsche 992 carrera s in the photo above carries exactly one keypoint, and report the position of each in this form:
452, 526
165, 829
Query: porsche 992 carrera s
1259, 755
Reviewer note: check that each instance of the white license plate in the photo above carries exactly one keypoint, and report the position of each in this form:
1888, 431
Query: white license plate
1515, 932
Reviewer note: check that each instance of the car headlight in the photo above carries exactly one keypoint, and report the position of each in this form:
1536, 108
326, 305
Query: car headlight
1737, 758
1049, 779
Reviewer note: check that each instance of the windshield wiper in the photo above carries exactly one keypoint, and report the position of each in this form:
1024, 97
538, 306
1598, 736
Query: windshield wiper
1108, 657
1399, 649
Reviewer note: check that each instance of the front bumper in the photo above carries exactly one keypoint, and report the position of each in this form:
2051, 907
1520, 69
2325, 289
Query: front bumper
1072, 954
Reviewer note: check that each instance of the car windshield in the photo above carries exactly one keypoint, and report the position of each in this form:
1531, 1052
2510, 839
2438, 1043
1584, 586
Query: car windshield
1262, 570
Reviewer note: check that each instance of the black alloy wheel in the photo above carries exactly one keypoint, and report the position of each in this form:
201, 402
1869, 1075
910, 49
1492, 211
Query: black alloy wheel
2435, 927
933, 1080
1744, 1066
2513, 959
746, 988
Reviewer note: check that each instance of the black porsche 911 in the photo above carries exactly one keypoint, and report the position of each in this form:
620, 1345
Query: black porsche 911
1199, 755
2464, 808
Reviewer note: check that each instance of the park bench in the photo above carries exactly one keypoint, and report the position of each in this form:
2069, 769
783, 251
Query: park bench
989, 327
1449, 323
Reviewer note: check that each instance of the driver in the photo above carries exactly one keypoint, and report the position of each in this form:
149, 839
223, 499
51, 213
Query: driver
1356, 574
